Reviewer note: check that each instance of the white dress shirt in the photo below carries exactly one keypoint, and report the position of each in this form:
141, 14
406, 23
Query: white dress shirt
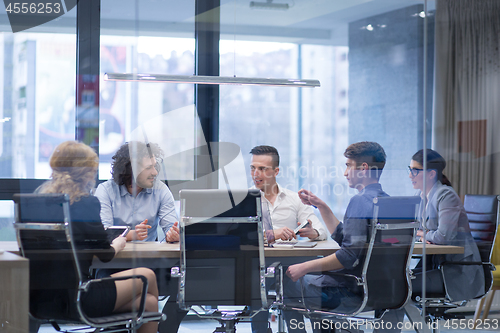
288, 209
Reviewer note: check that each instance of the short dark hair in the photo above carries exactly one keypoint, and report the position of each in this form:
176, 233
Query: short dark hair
434, 162
267, 150
370, 153
121, 166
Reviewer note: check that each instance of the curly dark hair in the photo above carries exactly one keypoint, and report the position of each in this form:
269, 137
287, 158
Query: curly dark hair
121, 166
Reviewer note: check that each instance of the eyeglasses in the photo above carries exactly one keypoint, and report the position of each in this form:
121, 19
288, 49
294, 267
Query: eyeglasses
414, 171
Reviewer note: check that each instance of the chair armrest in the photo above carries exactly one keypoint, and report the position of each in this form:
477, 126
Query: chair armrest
271, 269
468, 263
84, 287
275, 270
175, 272
359, 280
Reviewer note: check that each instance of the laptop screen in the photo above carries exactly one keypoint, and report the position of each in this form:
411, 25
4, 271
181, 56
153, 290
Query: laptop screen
221, 240
267, 222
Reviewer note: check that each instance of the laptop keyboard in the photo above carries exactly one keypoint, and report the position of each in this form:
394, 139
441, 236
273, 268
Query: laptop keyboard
291, 242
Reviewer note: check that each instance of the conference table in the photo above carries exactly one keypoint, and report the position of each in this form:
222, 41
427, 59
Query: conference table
323, 248
154, 250
166, 255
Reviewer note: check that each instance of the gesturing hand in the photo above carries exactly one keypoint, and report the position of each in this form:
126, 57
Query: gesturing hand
308, 231
141, 230
309, 198
173, 233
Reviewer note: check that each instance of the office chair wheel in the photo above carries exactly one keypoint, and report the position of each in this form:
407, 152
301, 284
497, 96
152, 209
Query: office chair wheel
227, 326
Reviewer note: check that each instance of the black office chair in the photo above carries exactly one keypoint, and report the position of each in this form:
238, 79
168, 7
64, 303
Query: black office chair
221, 240
45, 236
385, 276
482, 212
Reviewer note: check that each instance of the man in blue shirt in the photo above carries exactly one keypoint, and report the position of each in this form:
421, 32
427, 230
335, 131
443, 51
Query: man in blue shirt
143, 202
365, 162
136, 198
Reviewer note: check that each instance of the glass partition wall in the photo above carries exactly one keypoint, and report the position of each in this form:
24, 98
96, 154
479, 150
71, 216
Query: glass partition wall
37, 98
405, 74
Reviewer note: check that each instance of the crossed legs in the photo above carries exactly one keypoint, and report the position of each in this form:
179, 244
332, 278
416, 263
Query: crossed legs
128, 294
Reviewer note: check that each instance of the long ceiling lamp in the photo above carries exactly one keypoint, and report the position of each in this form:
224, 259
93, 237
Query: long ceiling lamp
269, 5
199, 79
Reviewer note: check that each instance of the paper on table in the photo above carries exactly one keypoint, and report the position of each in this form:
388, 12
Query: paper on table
305, 244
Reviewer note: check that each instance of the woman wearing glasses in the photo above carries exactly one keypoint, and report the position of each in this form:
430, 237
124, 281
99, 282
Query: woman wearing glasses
444, 223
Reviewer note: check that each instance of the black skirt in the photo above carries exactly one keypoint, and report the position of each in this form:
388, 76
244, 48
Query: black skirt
100, 300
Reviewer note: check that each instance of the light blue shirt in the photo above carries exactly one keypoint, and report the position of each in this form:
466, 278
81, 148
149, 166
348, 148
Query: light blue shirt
119, 207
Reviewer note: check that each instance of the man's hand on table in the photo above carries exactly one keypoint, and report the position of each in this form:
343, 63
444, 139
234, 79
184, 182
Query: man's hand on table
420, 233
308, 231
173, 233
140, 232
284, 233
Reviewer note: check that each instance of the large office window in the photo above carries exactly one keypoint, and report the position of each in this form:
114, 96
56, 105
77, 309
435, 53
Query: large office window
147, 37
164, 112
249, 114
368, 56
389, 73
307, 126
37, 81
364, 87
37, 103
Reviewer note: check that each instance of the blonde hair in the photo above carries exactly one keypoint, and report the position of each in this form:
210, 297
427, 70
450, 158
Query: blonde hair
74, 167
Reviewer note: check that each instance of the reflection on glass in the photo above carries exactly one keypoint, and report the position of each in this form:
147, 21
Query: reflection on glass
7, 232
124, 107
38, 102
